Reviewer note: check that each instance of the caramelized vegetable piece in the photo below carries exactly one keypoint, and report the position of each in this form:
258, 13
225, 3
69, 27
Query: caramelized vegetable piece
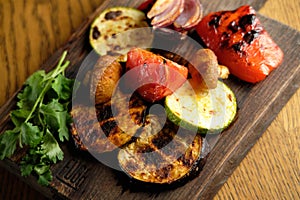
96, 128
166, 18
164, 157
112, 31
204, 71
181, 15
241, 43
159, 7
105, 77
152, 75
191, 15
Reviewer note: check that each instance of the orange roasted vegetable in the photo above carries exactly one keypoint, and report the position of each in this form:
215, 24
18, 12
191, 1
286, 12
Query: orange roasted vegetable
152, 75
241, 43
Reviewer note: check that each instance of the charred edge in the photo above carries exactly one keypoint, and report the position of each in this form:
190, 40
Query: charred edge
215, 21
96, 33
145, 149
132, 185
108, 127
233, 26
162, 140
237, 47
171, 56
247, 20
105, 112
225, 39
250, 36
112, 15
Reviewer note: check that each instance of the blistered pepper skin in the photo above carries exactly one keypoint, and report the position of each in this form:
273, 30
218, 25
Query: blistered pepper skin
241, 43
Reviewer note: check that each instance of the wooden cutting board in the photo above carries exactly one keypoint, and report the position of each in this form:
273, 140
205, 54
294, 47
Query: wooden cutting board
80, 176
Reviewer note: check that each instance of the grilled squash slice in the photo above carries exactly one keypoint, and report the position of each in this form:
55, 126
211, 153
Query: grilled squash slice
210, 113
161, 158
96, 129
115, 31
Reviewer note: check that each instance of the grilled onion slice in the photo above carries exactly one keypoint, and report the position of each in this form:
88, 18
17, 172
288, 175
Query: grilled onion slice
190, 16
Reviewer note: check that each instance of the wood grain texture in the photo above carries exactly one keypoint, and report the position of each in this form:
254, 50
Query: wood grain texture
30, 32
13, 188
271, 170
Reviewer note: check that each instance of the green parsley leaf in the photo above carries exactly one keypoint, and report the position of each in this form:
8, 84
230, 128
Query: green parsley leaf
57, 118
30, 135
63, 87
51, 149
33, 88
45, 178
19, 116
8, 142
42, 115
26, 168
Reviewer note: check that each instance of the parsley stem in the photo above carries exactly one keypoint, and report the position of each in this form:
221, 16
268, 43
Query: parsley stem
59, 69
40, 97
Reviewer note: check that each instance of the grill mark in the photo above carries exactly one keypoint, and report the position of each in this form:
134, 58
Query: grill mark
247, 20
108, 126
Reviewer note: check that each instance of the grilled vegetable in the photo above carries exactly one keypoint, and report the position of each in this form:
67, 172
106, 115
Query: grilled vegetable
165, 12
161, 158
191, 15
109, 32
204, 70
211, 113
241, 43
97, 130
104, 78
180, 15
152, 75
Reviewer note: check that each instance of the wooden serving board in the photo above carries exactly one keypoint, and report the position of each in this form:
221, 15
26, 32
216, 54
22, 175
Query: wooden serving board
80, 176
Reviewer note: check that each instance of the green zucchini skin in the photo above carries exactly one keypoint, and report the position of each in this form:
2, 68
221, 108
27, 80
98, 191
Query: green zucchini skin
210, 114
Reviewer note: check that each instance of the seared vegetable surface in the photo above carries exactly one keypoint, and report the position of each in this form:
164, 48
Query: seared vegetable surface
110, 31
152, 75
210, 113
96, 128
161, 157
241, 43
104, 78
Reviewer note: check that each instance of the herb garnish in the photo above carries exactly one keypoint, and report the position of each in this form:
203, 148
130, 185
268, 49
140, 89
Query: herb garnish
40, 119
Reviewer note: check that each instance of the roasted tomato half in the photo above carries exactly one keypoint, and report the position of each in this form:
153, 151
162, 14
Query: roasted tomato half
153, 76
241, 43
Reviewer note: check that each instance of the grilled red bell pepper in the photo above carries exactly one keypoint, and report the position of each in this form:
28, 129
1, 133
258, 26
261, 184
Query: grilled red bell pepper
241, 43
153, 76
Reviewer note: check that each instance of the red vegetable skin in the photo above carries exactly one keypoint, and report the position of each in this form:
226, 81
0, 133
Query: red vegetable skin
241, 43
146, 5
152, 75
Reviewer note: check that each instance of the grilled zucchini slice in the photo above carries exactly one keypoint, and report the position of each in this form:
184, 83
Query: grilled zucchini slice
210, 113
109, 32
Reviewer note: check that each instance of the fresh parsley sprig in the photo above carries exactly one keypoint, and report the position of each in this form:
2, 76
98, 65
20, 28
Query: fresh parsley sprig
40, 119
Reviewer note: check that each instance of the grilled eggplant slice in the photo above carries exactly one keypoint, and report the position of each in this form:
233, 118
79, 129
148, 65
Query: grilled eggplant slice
153, 152
95, 128
162, 158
